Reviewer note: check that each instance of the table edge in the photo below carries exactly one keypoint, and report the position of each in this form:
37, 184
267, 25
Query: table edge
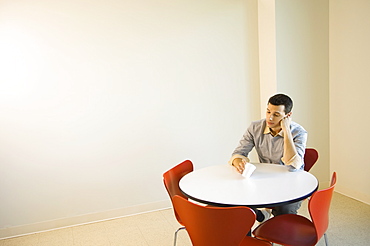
251, 206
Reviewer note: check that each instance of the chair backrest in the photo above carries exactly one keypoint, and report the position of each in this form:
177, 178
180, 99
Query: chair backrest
310, 158
216, 226
319, 206
171, 180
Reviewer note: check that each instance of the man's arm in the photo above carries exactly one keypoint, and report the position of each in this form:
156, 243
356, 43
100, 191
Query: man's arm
292, 156
289, 148
240, 155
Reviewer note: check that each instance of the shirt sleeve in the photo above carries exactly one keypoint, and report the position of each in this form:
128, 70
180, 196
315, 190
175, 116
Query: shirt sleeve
245, 146
300, 140
296, 161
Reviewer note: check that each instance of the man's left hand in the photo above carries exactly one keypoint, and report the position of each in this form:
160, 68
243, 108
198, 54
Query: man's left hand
285, 123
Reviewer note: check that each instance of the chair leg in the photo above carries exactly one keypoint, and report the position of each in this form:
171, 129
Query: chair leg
326, 239
175, 239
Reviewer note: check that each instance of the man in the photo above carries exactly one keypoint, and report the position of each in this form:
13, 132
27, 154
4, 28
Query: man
278, 140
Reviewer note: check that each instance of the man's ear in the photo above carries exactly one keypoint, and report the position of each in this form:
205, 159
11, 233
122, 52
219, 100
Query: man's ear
290, 113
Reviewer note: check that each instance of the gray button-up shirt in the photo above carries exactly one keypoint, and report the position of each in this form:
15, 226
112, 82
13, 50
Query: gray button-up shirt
270, 148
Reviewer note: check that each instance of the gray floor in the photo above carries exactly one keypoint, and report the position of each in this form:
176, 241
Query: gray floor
349, 222
349, 225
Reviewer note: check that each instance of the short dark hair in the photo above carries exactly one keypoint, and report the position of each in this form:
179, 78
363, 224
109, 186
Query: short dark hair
281, 99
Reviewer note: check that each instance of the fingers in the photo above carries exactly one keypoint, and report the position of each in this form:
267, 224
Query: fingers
240, 166
285, 121
288, 117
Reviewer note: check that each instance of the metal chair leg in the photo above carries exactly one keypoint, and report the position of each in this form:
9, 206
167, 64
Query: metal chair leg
326, 239
175, 239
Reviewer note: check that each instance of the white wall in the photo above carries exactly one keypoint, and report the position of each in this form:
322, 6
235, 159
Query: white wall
349, 96
99, 98
303, 71
331, 106
313, 38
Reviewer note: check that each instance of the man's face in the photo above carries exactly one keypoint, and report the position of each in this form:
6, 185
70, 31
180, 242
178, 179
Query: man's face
274, 114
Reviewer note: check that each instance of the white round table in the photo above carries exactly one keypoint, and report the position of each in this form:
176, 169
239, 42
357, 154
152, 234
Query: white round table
269, 185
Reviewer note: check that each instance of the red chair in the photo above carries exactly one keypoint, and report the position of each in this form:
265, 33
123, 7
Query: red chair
171, 180
310, 158
296, 230
217, 226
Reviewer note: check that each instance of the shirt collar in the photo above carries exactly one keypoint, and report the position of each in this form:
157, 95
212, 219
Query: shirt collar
268, 130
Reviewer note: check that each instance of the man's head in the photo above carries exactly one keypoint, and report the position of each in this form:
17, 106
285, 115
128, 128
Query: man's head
279, 106
281, 99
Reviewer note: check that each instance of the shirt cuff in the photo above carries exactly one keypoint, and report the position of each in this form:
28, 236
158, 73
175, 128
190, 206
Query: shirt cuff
238, 156
296, 161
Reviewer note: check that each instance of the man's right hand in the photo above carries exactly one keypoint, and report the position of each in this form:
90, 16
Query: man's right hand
239, 164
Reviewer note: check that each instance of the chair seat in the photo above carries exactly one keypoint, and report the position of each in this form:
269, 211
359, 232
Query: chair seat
250, 241
287, 229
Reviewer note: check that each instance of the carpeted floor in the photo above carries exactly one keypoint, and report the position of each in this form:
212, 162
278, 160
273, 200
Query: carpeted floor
349, 226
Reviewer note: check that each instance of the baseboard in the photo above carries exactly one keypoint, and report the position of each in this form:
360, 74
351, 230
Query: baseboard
365, 198
82, 219
344, 190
